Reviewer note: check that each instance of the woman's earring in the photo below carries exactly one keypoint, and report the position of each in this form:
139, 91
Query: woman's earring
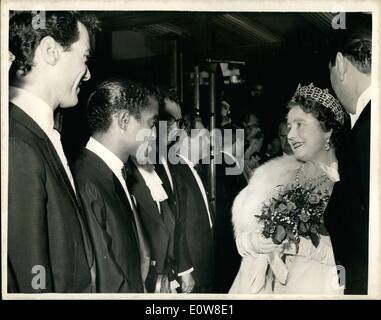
327, 145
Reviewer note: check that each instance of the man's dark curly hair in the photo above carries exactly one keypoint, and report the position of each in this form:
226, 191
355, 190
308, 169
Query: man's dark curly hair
113, 96
323, 114
354, 42
171, 95
62, 26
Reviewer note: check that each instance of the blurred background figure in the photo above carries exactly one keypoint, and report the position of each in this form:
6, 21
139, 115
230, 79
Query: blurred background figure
282, 134
254, 138
273, 148
225, 114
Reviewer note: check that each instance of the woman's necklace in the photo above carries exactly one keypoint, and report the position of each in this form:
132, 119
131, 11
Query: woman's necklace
316, 181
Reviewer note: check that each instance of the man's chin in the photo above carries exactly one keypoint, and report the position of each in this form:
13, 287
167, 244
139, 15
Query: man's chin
70, 103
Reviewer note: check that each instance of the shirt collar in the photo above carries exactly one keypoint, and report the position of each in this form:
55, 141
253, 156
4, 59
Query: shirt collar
34, 107
111, 160
361, 104
187, 161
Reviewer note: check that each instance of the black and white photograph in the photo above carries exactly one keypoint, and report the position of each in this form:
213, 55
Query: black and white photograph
180, 150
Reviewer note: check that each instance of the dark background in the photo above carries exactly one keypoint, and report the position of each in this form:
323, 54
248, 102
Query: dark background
280, 50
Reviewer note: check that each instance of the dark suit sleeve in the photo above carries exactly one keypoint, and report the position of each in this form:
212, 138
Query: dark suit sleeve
181, 249
110, 278
28, 245
364, 163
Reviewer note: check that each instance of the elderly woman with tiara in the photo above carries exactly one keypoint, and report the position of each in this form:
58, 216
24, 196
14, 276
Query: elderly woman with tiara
279, 217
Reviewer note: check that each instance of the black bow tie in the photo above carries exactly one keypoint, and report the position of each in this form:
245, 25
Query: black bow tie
127, 171
58, 119
124, 173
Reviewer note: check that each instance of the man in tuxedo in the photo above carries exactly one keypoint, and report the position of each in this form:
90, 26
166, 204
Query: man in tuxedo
348, 211
118, 111
190, 177
171, 265
157, 201
48, 246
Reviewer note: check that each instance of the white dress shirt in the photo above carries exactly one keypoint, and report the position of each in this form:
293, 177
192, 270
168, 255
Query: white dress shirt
361, 104
43, 115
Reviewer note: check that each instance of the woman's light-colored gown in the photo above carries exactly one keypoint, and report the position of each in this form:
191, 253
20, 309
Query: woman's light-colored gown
310, 271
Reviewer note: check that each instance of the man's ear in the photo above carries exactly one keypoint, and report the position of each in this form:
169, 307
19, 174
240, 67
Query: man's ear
123, 119
49, 50
341, 65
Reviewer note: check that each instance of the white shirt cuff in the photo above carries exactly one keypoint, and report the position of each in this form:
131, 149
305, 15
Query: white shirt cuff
185, 272
174, 285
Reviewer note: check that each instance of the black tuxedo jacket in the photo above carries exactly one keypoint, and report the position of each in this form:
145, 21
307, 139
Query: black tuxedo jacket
347, 215
157, 232
199, 235
45, 222
111, 225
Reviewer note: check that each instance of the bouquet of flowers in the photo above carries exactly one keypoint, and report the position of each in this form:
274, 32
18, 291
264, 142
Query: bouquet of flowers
296, 211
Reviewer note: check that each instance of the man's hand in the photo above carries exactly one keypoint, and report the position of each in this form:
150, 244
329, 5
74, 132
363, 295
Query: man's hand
187, 283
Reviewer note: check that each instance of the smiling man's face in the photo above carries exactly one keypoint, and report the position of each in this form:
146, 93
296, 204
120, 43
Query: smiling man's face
73, 69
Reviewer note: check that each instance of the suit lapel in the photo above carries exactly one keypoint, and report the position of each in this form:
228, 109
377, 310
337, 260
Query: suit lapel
52, 156
194, 186
140, 191
161, 172
172, 194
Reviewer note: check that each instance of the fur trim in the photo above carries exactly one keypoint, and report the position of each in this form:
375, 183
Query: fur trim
261, 187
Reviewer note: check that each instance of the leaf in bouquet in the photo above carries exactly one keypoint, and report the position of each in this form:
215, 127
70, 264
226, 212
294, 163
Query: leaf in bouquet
303, 228
281, 188
272, 205
323, 230
315, 239
314, 228
279, 235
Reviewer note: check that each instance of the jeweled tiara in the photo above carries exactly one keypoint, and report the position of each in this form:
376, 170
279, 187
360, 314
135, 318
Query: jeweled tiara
323, 97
